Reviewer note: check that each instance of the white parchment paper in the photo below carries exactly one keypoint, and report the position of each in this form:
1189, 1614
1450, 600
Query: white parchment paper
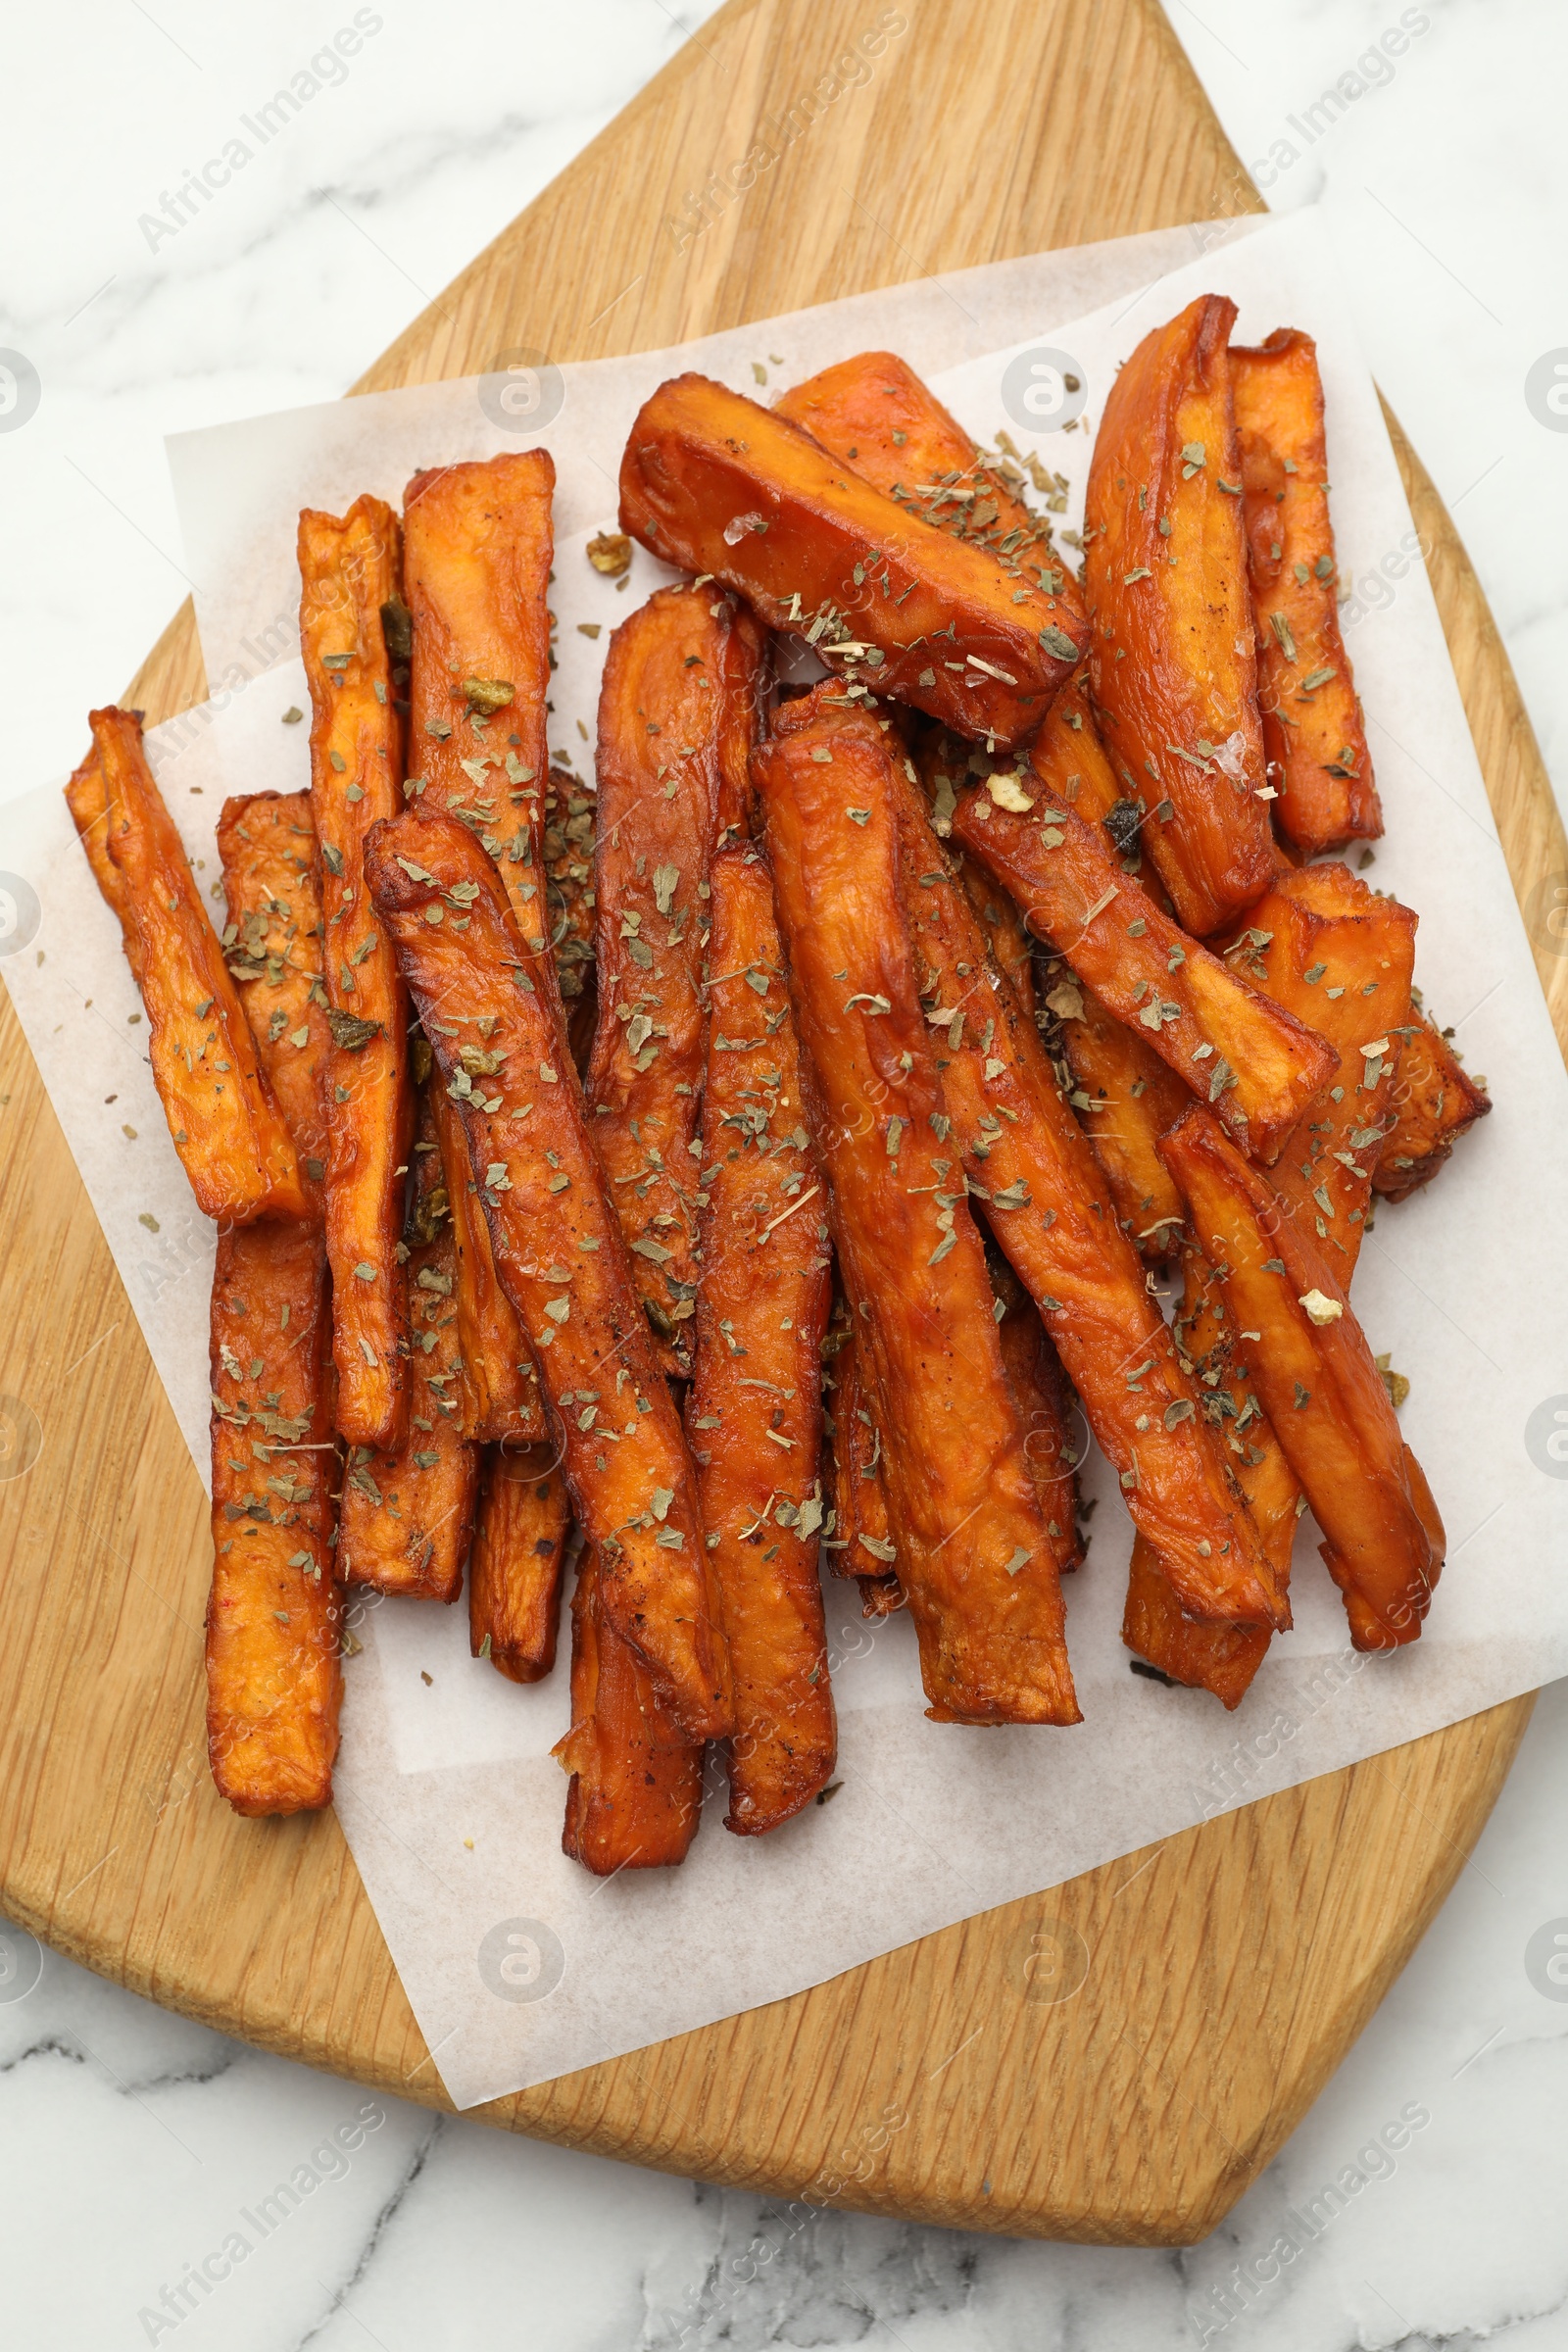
519, 1966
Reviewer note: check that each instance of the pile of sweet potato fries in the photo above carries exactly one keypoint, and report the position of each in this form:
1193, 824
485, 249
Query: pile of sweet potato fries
736, 1164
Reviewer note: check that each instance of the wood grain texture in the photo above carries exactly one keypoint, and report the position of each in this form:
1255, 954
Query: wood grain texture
1227, 1969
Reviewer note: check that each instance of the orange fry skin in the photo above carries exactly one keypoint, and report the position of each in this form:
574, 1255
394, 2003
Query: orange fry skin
678, 713
274, 1680
561, 1259
1125, 1099
1319, 1385
1173, 664
1435, 1100
1053, 1219
519, 1551
273, 947
407, 1516
1221, 1658
1006, 933
1068, 757
229, 1134
1256, 1063
86, 798
861, 1542
479, 542
1312, 732
348, 573
1334, 952
702, 460
636, 1793
973, 1554
876, 415
497, 1379
1035, 1377
755, 1412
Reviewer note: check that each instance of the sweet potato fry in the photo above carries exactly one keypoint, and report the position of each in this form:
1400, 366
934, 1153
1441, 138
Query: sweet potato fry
1049, 1208
1435, 1099
876, 415
349, 575
477, 547
519, 1549
273, 1681
1319, 1385
973, 1553
1312, 732
229, 1134
1329, 949
498, 1379
273, 947
862, 1543
1034, 1374
678, 713
1256, 1063
1125, 1099
90, 813
1221, 1658
1332, 952
636, 1792
560, 1257
407, 1516
714, 483
1173, 664
755, 1412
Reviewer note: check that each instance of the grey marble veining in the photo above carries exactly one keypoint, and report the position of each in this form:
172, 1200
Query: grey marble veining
136, 2147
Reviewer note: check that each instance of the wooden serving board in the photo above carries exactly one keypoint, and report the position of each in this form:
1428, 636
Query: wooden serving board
1228, 1968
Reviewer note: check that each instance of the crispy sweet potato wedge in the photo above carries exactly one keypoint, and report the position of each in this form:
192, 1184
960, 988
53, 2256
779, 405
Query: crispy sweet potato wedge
89, 812
1435, 1099
1319, 1385
973, 1554
1221, 1658
1257, 1064
349, 575
408, 1516
230, 1132
1335, 954
755, 1412
876, 415
477, 545
498, 1379
1125, 1099
1312, 732
862, 1543
678, 713
1053, 1217
1173, 664
273, 1681
273, 947
636, 1793
519, 1549
713, 482
560, 1257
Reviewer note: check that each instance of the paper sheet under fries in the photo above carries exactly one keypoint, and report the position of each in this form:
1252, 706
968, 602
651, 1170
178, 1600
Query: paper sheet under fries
519, 1965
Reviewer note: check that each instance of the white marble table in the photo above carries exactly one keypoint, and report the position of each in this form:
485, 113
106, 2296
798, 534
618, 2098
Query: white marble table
135, 2146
